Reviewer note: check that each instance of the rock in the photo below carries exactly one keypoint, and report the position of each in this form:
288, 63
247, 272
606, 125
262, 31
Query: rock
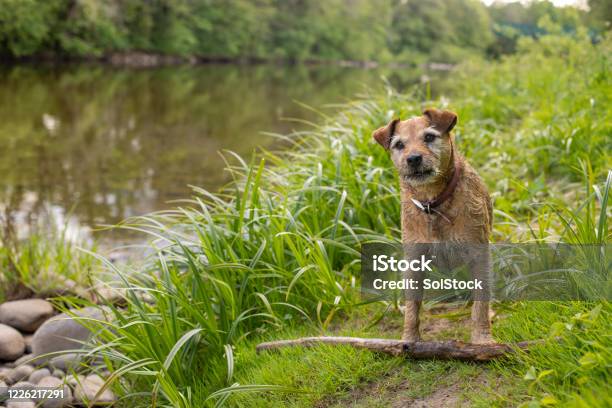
28, 342
12, 345
18, 374
74, 380
55, 383
63, 332
39, 374
4, 372
85, 392
20, 404
96, 379
57, 373
25, 315
25, 359
66, 362
23, 385
111, 296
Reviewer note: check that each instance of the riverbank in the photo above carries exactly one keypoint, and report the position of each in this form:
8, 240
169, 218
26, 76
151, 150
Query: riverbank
276, 253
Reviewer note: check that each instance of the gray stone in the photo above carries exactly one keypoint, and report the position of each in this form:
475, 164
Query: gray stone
12, 345
111, 296
25, 315
55, 383
20, 404
4, 372
57, 373
18, 374
63, 332
66, 362
74, 380
25, 359
39, 374
23, 385
85, 392
96, 379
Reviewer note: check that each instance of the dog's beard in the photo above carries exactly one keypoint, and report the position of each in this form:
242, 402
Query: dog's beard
418, 177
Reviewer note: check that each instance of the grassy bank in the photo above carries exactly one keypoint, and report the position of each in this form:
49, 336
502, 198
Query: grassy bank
279, 247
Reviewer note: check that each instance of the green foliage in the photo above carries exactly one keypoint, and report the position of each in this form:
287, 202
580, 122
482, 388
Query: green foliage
601, 13
88, 28
24, 26
279, 246
442, 30
409, 31
513, 20
47, 264
573, 364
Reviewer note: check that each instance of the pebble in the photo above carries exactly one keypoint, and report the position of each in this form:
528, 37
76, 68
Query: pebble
25, 359
4, 371
85, 392
38, 375
58, 373
19, 373
63, 332
12, 345
20, 404
23, 385
55, 383
66, 362
74, 380
25, 315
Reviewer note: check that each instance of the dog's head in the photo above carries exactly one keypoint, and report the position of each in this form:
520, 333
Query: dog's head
421, 148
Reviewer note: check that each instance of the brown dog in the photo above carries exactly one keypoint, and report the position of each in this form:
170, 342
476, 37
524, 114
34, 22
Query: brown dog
443, 199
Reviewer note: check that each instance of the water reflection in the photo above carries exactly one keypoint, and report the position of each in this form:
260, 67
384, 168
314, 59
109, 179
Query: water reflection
104, 143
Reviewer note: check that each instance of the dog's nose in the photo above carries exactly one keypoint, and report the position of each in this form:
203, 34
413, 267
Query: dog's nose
415, 159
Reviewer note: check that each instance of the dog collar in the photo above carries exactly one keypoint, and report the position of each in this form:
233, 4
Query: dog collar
429, 206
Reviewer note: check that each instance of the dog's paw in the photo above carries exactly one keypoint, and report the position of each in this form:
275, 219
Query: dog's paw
411, 338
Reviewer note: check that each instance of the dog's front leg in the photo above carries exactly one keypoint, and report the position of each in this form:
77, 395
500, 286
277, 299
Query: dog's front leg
481, 325
411, 321
414, 295
481, 270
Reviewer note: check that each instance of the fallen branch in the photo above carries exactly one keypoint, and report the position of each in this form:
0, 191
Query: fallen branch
444, 350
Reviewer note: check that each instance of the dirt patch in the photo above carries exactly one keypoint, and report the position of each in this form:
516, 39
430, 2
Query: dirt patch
445, 397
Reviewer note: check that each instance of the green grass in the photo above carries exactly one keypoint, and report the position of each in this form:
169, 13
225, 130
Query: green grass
344, 376
45, 263
278, 248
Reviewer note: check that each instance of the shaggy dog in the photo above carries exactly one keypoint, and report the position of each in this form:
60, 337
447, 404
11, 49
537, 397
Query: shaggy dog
443, 201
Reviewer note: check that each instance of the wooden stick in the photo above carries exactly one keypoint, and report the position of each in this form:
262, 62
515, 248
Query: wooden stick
444, 350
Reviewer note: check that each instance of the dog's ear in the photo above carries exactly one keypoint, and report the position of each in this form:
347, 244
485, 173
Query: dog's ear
444, 121
383, 135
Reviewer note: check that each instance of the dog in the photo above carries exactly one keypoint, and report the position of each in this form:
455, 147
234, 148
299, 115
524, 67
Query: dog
443, 199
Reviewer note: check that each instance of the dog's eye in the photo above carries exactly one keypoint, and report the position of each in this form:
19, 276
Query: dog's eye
398, 146
429, 137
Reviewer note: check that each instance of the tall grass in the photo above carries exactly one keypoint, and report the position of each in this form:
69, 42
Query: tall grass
46, 263
279, 246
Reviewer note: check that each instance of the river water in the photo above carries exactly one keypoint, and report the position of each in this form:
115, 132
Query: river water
91, 145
